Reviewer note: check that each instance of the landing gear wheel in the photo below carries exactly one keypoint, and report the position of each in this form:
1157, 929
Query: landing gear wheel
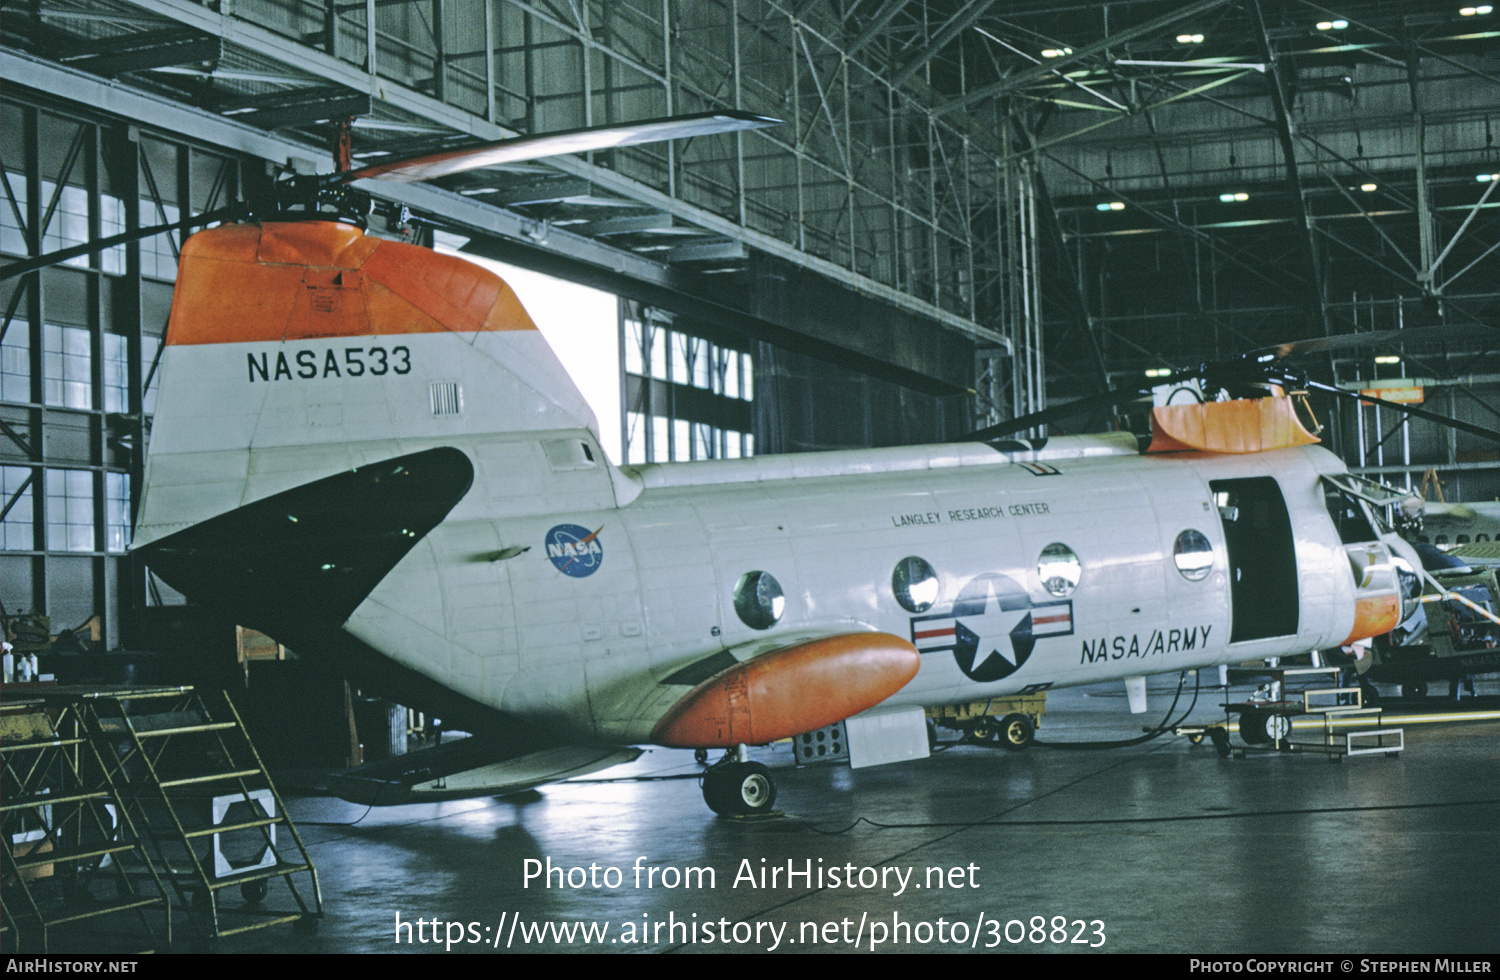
981, 730
1414, 690
1253, 727
1016, 732
700, 756
253, 892
739, 789
1264, 727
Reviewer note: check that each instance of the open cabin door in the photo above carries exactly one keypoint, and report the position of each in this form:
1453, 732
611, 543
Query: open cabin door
1262, 557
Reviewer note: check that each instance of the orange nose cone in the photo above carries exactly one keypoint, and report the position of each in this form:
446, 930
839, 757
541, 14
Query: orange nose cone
791, 691
1374, 615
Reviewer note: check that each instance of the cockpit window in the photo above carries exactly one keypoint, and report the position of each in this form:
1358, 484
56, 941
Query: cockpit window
1350, 515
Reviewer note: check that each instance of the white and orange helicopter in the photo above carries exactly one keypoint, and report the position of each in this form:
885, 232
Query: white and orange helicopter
366, 450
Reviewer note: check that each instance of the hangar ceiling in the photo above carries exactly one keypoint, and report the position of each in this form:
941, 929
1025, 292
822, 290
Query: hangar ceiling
1091, 188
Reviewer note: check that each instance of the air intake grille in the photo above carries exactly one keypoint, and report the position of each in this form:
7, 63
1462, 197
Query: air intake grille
447, 398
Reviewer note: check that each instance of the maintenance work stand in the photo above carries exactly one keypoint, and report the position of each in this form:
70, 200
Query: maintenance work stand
1285, 696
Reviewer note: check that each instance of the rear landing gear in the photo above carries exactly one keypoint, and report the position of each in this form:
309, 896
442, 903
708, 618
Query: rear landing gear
737, 789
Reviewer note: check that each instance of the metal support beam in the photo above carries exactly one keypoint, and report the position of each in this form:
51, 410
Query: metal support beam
1276, 74
1023, 78
974, 10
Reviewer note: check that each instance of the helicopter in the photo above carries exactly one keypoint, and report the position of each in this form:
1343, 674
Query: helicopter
366, 450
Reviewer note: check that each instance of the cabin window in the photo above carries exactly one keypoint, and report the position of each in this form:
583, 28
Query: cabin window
1463, 539
758, 600
1059, 570
915, 584
1481, 537
1193, 555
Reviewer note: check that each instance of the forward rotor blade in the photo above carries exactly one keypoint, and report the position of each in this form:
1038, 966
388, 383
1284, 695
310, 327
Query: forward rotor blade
1420, 413
1056, 413
522, 148
23, 266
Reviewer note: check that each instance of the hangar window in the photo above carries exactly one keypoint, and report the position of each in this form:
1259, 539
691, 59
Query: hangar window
915, 584
15, 366
67, 367
686, 397
758, 600
1193, 555
16, 528
1059, 570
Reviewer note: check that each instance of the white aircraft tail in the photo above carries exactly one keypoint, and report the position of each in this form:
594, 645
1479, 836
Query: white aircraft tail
300, 350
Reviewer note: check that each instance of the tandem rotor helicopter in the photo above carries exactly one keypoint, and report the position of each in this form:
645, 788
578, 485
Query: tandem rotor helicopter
366, 450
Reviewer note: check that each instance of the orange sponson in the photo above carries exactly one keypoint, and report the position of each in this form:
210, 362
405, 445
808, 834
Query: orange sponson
1243, 425
790, 691
308, 280
1374, 615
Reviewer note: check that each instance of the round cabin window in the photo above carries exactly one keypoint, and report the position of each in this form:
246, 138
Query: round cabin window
759, 600
1193, 555
1059, 570
915, 584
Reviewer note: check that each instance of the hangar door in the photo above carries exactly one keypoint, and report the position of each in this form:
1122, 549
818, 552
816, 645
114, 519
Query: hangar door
1262, 557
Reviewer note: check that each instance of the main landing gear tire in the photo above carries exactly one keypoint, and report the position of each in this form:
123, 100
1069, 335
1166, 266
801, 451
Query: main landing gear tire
738, 789
1016, 732
1414, 691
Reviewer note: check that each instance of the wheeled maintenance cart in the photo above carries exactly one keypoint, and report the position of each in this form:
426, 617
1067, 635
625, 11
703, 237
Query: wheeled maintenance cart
1011, 721
1268, 717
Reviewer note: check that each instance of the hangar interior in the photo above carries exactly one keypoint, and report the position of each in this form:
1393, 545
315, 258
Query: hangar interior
970, 211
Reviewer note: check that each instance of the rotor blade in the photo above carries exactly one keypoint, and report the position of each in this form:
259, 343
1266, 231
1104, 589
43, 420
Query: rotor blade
24, 266
1420, 413
1379, 338
520, 148
1104, 399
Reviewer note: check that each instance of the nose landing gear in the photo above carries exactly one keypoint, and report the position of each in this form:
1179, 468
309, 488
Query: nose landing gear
736, 787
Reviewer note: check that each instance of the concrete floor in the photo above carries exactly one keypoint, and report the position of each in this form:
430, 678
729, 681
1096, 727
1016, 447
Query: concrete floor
1161, 847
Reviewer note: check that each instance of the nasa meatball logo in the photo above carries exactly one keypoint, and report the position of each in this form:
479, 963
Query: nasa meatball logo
575, 550
991, 627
